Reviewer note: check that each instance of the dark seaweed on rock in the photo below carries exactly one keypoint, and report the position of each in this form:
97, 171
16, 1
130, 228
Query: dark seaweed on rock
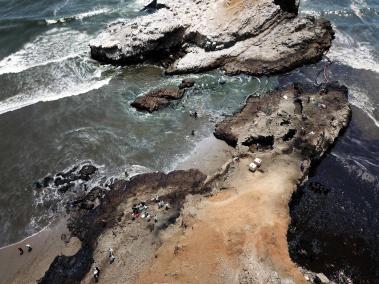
88, 224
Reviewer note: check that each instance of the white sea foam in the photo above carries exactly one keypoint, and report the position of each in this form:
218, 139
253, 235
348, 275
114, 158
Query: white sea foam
23, 100
56, 45
356, 6
79, 16
359, 55
361, 100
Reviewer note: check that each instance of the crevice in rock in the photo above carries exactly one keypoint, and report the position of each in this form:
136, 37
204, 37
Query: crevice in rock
260, 141
289, 135
290, 6
298, 106
285, 122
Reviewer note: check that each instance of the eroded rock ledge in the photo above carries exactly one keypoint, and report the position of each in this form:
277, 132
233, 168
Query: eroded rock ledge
251, 36
161, 98
301, 117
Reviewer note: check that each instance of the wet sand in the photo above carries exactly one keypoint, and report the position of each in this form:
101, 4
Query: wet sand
208, 156
31, 266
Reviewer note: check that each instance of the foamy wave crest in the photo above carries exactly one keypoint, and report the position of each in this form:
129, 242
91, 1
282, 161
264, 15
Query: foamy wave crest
359, 55
137, 5
80, 16
55, 45
357, 6
361, 100
23, 100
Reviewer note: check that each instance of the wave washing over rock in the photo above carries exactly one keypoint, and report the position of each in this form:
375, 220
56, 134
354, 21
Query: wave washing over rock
254, 37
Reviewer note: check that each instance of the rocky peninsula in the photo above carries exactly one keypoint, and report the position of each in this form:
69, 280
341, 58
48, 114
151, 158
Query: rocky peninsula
250, 36
227, 227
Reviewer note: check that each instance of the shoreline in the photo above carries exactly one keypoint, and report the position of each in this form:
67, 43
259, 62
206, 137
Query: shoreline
205, 155
46, 245
210, 217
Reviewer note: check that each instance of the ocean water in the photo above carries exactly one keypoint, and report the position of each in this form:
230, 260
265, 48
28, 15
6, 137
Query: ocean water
58, 107
335, 215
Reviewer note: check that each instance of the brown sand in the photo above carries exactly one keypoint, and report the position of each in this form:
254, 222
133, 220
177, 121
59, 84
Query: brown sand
237, 236
208, 155
31, 266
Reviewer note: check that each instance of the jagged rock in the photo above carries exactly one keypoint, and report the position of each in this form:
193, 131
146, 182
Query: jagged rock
87, 171
186, 83
88, 224
47, 180
153, 6
66, 187
260, 125
156, 99
160, 98
255, 37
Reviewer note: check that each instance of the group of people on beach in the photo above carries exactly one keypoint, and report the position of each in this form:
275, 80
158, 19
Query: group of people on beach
138, 210
96, 271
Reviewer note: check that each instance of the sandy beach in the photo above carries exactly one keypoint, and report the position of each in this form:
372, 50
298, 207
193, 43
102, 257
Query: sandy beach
31, 266
236, 236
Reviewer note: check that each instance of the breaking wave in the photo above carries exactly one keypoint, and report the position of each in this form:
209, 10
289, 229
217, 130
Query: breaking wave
359, 55
23, 100
55, 45
361, 100
79, 16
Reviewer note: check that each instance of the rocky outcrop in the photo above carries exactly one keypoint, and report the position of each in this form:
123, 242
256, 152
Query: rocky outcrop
161, 98
65, 180
89, 223
299, 117
287, 129
255, 37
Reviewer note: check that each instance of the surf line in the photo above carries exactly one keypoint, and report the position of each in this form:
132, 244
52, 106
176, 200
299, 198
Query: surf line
26, 238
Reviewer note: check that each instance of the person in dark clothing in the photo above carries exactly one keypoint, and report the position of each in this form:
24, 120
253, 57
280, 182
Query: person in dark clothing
21, 251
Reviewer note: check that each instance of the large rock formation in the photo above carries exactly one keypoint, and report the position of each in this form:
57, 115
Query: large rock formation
250, 36
298, 118
161, 98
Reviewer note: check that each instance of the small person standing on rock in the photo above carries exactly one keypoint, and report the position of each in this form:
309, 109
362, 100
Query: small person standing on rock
96, 274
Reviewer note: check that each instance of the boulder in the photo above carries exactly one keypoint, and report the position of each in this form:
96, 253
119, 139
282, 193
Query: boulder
87, 171
254, 37
157, 99
186, 83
